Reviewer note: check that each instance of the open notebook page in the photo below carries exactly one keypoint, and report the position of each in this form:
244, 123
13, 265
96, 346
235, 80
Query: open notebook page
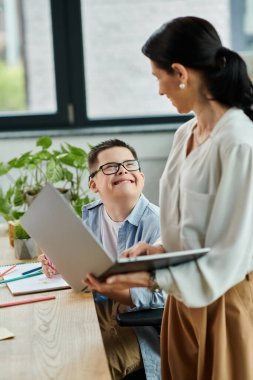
34, 284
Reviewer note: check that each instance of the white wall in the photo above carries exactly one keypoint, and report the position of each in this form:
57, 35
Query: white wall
152, 149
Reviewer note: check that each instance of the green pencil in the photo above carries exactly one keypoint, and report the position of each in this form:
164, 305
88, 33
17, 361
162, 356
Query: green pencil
21, 277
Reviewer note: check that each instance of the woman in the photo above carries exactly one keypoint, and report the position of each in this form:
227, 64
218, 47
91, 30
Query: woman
206, 199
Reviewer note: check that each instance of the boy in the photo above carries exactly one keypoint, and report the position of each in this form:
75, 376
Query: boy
120, 218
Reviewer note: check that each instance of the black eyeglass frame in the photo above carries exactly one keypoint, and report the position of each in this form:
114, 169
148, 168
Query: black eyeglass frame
92, 175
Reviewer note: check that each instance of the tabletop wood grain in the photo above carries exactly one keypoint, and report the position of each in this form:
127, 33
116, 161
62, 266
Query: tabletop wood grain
58, 339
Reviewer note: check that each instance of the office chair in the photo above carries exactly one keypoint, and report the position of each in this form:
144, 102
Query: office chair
150, 317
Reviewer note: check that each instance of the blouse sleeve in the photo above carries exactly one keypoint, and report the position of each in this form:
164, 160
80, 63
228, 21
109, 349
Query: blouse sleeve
228, 234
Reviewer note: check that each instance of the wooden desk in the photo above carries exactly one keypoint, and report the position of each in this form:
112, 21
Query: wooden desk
56, 340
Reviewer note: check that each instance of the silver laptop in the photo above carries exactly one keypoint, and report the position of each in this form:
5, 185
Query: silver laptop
75, 251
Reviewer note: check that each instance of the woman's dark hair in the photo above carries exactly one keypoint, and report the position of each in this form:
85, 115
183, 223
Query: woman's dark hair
108, 144
194, 43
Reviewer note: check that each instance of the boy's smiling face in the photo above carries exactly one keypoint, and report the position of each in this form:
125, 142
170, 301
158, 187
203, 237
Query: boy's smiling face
124, 184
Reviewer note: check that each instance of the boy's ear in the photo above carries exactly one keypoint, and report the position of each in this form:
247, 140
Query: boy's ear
93, 186
143, 176
142, 180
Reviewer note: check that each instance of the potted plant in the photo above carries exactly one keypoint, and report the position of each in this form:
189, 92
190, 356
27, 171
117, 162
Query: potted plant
24, 245
26, 174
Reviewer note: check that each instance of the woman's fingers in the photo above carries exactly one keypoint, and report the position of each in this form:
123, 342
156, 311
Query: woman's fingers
94, 284
129, 280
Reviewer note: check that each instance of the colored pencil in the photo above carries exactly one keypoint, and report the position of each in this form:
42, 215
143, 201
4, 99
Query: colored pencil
27, 300
21, 277
7, 270
31, 270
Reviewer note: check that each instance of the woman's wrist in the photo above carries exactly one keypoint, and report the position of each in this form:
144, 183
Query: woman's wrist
153, 284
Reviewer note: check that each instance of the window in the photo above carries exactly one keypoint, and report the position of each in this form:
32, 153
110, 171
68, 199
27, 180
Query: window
28, 79
118, 83
78, 63
27, 61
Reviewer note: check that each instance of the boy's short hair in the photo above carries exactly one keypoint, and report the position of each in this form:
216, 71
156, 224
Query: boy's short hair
107, 144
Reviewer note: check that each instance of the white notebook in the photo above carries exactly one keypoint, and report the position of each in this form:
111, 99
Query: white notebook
35, 284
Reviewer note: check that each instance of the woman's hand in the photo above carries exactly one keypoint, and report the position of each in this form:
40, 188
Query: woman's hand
48, 267
100, 287
114, 292
129, 280
141, 249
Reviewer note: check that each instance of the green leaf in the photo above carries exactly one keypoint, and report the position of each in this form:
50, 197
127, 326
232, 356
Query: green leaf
63, 149
31, 170
56, 153
76, 151
20, 182
17, 214
21, 161
18, 198
67, 175
45, 142
79, 203
20, 232
3, 169
42, 155
54, 172
4, 204
66, 158
73, 160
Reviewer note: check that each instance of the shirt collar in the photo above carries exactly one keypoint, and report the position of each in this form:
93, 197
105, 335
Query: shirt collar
92, 205
136, 214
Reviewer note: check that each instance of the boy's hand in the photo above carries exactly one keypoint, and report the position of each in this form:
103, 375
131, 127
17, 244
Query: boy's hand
141, 249
48, 267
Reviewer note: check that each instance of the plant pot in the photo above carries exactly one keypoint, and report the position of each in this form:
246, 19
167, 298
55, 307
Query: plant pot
25, 249
11, 225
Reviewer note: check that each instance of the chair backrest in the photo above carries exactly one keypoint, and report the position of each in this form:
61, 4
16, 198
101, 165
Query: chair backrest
150, 317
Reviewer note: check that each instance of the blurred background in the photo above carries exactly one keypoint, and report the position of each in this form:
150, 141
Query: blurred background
73, 69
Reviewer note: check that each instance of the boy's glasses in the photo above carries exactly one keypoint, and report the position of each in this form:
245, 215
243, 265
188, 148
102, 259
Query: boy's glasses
113, 167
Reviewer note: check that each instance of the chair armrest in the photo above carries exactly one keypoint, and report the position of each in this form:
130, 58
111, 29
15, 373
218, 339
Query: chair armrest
150, 317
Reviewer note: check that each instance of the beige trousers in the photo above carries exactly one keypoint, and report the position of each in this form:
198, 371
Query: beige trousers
121, 344
210, 343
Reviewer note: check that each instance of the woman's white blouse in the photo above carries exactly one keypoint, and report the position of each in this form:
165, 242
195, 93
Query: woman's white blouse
206, 200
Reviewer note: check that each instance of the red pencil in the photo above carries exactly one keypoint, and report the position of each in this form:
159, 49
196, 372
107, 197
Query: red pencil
7, 270
27, 300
